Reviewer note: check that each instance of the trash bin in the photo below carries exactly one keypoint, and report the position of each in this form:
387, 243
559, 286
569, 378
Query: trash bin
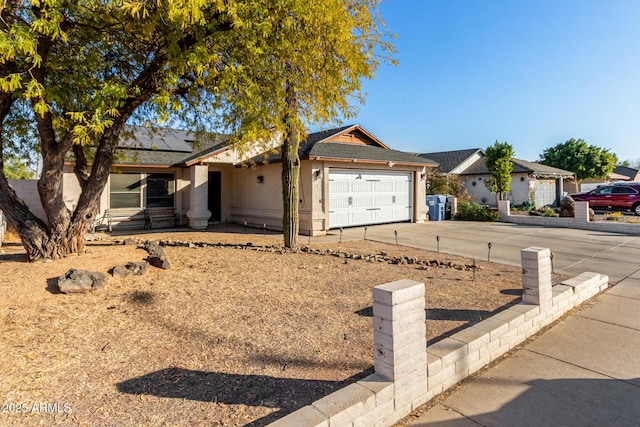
450, 207
436, 205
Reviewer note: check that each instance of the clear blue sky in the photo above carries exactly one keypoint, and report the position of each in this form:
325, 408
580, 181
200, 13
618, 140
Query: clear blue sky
533, 73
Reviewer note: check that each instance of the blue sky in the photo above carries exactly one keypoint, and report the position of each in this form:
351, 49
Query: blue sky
533, 73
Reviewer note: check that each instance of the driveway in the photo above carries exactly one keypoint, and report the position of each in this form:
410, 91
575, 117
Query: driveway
574, 251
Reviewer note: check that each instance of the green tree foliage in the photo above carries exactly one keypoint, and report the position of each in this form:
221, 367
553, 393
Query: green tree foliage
498, 161
584, 160
14, 168
629, 163
441, 183
74, 73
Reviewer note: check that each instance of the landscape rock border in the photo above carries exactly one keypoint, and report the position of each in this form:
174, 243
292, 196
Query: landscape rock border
156, 247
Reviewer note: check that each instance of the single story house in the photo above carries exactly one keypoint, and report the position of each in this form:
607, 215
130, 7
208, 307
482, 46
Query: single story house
620, 173
530, 182
348, 177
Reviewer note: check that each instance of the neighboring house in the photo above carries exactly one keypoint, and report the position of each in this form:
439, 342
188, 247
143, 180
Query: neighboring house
530, 182
620, 173
347, 177
630, 174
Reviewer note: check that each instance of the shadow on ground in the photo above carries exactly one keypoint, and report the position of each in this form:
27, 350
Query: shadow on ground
286, 394
470, 317
560, 402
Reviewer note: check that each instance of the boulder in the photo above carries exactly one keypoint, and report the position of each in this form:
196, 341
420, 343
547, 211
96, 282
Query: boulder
81, 281
156, 257
567, 207
130, 268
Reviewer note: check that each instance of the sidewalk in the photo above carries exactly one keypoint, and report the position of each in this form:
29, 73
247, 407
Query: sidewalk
584, 371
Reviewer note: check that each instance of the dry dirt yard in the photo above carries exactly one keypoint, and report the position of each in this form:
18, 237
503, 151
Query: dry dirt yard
226, 337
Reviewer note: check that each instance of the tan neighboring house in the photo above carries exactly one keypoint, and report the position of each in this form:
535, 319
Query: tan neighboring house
620, 173
530, 181
348, 177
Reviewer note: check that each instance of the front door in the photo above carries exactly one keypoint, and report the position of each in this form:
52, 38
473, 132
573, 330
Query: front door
215, 196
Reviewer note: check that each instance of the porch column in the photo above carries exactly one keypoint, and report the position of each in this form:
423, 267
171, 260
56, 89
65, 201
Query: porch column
198, 213
559, 190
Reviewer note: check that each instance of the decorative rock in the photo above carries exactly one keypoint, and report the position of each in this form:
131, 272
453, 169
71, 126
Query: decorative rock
81, 281
567, 207
156, 257
130, 268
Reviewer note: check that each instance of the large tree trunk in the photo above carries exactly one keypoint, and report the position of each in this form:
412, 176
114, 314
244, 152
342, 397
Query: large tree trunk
290, 174
64, 232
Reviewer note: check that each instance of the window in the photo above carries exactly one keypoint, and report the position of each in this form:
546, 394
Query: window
124, 190
623, 190
603, 190
160, 189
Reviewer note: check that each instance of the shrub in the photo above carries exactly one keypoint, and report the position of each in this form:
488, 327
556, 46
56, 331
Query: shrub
471, 211
547, 211
614, 216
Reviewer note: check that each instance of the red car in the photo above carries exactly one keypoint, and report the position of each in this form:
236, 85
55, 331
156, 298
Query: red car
623, 196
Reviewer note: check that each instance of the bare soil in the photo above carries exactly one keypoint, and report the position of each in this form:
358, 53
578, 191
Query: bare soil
229, 336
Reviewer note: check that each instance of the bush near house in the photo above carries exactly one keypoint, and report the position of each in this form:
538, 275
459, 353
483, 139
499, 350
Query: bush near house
471, 211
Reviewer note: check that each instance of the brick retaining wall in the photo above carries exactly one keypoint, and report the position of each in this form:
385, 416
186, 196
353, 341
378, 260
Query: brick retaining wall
580, 221
408, 373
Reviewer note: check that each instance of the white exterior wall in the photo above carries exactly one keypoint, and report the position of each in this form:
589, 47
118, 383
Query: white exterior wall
479, 192
254, 202
27, 190
519, 189
519, 193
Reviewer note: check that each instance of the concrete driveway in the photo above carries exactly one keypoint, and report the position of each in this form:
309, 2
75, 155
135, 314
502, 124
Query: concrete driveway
575, 251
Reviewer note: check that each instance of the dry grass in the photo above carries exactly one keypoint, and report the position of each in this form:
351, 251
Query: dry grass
226, 337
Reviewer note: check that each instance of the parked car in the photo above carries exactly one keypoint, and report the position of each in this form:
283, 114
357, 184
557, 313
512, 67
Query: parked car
621, 196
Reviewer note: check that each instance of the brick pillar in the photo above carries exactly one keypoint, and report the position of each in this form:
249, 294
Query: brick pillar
536, 276
581, 211
504, 208
399, 339
198, 212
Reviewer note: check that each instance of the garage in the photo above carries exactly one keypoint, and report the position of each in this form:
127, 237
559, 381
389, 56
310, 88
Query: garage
369, 197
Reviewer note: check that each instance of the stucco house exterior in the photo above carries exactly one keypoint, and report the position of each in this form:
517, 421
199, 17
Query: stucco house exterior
348, 177
619, 173
530, 181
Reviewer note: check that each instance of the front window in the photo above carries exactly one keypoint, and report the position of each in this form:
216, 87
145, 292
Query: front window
160, 189
125, 190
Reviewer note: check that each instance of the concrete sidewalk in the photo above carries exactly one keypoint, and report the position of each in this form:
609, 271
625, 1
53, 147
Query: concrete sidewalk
584, 371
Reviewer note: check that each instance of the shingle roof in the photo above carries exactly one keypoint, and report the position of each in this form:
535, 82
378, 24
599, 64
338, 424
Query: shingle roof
519, 166
141, 138
314, 148
448, 160
631, 173
148, 157
337, 150
164, 147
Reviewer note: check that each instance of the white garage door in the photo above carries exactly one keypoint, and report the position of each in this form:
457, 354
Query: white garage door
369, 197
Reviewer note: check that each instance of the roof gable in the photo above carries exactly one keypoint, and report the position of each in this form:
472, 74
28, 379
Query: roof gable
630, 173
354, 134
451, 161
349, 143
519, 166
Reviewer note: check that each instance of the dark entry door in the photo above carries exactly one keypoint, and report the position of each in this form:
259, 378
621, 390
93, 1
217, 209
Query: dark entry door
215, 196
